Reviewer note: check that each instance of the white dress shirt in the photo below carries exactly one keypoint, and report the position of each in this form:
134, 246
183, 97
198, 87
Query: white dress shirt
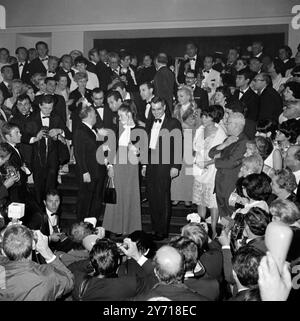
148, 107
193, 62
45, 61
52, 220
242, 92
125, 136
100, 111
297, 175
155, 132
21, 67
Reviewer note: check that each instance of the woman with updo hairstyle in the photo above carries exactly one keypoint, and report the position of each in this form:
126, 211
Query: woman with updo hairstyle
291, 91
267, 128
124, 217
287, 135
187, 113
208, 135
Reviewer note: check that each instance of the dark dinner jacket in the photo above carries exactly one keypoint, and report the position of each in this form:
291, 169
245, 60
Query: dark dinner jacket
36, 66
201, 97
181, 76
6, 93
251, 100
270, 106
25, 77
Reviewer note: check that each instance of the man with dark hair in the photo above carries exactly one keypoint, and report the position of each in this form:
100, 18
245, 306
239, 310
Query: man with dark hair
126, 70
245, 270
66, 70
169, 270
40, 64
164, 80
21, 68
246, 95
255, 65
114, 101
91, 174
270, 102
5, 85
257, 49
25, 279
233, 55
200, 95
46, 131
206, 285
165, 158
144, 113
192, 61
211, 78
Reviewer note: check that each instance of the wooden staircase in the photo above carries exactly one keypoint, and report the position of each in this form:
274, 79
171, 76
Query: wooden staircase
69, 189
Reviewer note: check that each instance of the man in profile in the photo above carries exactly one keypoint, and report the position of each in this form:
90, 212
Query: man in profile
25, 279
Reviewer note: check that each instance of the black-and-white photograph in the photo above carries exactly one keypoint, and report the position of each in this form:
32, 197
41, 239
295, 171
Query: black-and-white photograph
149, 151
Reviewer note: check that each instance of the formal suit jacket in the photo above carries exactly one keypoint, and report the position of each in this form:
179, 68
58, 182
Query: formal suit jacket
251, 100
5, 91
228, 165
25, 149
107, 120
168, 124
59, 107
181, 75
164, 82
201, 97
141, 108
205, 286
174, 292
36, 66
270, 105
39, 156
29, 281
25, 77
85, 149
145, 74
102, 72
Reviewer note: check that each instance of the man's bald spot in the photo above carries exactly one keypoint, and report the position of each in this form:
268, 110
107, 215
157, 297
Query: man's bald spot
169, 259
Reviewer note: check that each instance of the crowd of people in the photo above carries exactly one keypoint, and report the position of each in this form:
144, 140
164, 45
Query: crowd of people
222, 133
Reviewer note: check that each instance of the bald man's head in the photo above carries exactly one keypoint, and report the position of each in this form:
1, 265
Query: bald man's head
169, 265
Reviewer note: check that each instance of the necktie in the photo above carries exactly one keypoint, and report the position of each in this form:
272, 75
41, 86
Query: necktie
157, 120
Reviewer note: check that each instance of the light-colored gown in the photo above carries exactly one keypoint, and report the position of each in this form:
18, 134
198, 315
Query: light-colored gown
125, 216
182, 186
204, 178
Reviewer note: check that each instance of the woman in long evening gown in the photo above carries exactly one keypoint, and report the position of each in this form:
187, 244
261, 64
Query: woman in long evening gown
124, 217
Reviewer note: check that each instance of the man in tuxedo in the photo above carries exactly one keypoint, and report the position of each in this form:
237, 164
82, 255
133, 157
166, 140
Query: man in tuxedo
5, 85
20, 118
169, 269
46, 131
52, 66
192, 62
21, 68
59, 107
292, 161
164, 164
200, 95
211, 78
255, 65
65, 69
246, 95
104, 115
114, 100
232, 58
144, 112
270, 102
147, 71
126, 70
40, 64
164, 80
227, 158
114, 65
101, 69
91, 174
257, 49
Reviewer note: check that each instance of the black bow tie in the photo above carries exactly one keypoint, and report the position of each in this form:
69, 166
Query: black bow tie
21, 64
46, 117
242, 92
157, 120
99, 107
44, 59
52, 214
192, 59
206, 71
51, 72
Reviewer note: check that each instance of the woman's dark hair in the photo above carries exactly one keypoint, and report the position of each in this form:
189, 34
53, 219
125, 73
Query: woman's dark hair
105, 258
264, 146
144, 243
267, 125
294, 87
258, 186
290, 128
225, 90
216, 112
257, 220
128, 106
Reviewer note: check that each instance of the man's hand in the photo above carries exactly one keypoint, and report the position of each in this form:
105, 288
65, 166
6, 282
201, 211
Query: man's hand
144, 168
54, 132
130, 249
272, 285
224, 238
110, 172
11, 180
40, 135
102, 132
86, 177
55, 237
174, 172
230, 140
42, 245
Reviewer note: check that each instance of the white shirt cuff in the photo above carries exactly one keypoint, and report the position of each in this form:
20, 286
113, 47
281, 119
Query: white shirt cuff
225, 247
141, 261
51, 260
